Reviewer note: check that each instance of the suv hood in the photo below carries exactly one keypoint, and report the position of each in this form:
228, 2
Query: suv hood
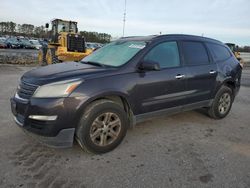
61, 71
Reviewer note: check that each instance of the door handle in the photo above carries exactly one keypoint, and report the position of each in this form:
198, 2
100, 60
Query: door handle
212, 72
179, 76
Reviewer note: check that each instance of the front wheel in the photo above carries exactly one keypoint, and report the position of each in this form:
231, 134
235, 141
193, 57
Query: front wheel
222, 103
51, 56
42, 57
102, 126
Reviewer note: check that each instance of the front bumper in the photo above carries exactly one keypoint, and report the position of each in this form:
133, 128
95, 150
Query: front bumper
36, 117
63, 139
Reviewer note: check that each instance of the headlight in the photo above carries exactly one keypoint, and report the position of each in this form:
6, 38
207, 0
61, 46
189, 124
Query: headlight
56, 89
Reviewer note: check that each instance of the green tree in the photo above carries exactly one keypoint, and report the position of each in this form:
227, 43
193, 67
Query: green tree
96, 37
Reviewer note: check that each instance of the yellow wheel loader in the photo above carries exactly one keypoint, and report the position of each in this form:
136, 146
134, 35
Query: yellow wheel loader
236, 52
65, 44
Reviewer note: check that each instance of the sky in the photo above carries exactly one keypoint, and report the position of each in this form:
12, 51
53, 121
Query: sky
225, 20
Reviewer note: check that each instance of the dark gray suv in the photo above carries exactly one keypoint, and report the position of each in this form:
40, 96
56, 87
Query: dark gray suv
122, 83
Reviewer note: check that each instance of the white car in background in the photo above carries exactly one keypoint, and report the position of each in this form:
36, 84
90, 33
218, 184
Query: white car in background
36, 44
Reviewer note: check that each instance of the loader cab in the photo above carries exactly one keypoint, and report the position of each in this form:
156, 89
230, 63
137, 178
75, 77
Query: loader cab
235, 49
232, 46
59, 26
65, 43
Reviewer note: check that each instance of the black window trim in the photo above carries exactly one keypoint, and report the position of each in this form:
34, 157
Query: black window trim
210, 60
164, 41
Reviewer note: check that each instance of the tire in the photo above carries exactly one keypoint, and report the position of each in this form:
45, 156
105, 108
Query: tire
219, 109
51, 56
42, 56
87, 131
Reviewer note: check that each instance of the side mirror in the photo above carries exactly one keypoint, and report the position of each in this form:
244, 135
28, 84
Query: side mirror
149, 66
46, 25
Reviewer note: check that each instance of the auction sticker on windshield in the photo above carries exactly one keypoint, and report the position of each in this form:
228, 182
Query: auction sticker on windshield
137, 46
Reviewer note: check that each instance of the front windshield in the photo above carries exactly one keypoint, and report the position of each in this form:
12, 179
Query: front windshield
63, 27
115, 53
66, 27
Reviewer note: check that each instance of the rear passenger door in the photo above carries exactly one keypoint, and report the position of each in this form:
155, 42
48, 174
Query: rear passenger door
201, 72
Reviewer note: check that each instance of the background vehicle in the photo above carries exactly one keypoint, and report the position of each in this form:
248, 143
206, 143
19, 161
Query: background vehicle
93, 46
3, 39
25, 43
12, 42
44, 43
125, 82
35, 44
2, 43
65, 45
236, 52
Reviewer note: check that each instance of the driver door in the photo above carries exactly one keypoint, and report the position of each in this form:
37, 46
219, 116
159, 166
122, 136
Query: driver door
166, 88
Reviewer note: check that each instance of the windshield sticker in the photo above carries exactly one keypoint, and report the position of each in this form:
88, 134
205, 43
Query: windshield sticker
138, 46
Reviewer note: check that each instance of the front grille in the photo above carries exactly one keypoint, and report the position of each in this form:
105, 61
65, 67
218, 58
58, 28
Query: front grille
75, 43
26, 90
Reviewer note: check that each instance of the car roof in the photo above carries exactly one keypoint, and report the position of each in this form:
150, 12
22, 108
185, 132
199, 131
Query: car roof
169, 36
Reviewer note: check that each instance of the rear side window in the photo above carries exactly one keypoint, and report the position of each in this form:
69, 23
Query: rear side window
194, 53
166, 54
219, 53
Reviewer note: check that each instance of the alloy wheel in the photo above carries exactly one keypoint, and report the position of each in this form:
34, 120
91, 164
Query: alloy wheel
224, 103
105, 129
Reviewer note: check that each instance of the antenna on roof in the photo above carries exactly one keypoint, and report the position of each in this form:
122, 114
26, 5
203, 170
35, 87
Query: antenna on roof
124, 18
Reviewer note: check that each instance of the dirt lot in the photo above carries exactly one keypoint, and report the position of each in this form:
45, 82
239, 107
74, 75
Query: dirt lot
184, 150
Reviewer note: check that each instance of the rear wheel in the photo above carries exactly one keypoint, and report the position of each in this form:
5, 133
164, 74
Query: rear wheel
51, 56
222, 103
102, 126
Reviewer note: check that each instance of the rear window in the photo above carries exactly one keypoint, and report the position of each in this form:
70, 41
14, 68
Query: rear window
219, 53
194, 53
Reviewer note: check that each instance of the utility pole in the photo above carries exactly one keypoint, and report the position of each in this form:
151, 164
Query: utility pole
124, 18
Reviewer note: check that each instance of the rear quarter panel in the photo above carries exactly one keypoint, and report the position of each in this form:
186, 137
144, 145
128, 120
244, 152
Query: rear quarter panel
228, 71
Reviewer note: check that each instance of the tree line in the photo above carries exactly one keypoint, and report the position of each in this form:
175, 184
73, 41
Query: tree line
29, 30
244, 49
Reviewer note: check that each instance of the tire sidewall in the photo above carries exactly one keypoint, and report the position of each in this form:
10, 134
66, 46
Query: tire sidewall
83, 131
222, 91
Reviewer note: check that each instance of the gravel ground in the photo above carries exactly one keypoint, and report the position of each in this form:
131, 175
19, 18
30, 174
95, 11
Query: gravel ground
184, 150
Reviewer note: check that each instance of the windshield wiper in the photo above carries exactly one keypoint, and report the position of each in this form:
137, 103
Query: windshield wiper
97, 64
93, 63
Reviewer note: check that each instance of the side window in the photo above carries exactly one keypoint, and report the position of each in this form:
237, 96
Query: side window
194, 53
166, 54
219, 52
